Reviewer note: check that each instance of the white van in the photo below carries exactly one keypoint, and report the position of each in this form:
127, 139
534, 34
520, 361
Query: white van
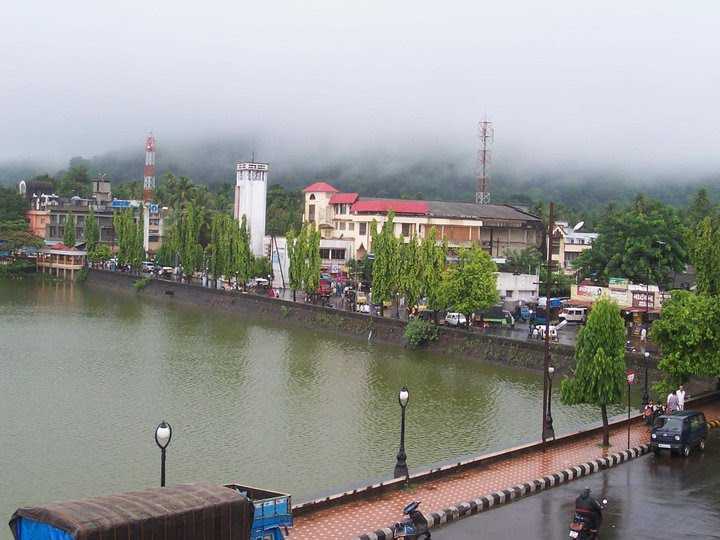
574, 314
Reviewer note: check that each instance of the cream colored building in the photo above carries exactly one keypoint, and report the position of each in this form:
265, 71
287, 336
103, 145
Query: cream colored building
348, 216
568, 244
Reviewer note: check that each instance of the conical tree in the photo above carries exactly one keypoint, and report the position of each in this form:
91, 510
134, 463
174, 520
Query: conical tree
599, 376
69, 233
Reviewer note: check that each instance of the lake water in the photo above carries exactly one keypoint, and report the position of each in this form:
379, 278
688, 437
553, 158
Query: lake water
86, 376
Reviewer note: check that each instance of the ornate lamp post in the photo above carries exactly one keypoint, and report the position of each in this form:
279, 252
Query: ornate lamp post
548, 430
401, 464
163, 434
646, 396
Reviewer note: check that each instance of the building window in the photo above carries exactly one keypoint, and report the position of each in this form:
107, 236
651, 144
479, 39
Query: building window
311, 212
351, 226
406, 229
324, 253
312, 197
337, 254
342, 225
509, 294
362, 230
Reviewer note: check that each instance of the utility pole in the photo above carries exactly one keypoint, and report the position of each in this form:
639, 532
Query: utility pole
547, 429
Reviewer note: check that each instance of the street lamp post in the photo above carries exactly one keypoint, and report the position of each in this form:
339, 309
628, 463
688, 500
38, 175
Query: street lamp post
401, 464
163, 434
646, 396
549, 431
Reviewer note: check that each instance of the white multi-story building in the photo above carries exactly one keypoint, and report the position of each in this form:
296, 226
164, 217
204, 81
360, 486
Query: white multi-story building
349, 217
250, 201
568, 244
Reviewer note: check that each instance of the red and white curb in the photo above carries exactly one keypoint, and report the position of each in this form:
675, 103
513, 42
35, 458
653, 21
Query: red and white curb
506, 496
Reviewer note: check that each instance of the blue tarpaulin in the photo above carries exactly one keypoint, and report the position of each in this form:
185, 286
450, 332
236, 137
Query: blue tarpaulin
29, 529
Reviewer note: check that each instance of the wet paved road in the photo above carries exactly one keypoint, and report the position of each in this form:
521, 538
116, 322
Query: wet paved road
650, 498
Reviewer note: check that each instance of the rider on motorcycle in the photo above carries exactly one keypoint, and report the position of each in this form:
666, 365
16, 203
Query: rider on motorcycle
589, 508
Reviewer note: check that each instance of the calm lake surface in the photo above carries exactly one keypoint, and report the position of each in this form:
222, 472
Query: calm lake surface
86, 376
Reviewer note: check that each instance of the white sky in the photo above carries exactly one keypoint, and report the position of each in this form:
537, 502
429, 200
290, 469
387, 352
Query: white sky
611, 84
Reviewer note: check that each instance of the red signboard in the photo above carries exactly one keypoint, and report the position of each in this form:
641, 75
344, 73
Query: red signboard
630, 376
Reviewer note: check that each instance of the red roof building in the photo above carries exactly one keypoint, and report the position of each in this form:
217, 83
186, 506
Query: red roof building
320, 187
383, 206
344, 198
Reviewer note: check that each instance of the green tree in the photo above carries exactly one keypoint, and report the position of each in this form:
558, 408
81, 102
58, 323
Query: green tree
242, 260
688, 334
284, 210
69, 233
100, 253
15, 238
311, 272
296, 250
386, 267
704, 243
190, 252
643, 242
471, 285
599, 376
12, 206
523, 261
123, 223
75, 181
92, 231
433, 260
560, 283
411, 272
699, 209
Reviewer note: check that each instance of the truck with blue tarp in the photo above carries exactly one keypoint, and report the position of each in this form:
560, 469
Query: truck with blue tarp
273, 512
201, 510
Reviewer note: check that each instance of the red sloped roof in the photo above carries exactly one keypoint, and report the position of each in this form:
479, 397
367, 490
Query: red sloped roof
61, 247
320, 187
343, 198
399, 206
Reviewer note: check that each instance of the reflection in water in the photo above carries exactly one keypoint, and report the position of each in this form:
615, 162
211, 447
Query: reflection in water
86, 376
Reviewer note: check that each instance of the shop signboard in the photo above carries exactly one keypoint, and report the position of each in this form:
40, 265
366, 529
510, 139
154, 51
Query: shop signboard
618, 283
589, 290
641, 299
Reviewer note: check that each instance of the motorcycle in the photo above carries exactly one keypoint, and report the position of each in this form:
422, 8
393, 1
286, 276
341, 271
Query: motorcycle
414, 526
580, 526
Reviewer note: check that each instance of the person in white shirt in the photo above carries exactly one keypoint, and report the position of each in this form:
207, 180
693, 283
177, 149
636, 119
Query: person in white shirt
681, 398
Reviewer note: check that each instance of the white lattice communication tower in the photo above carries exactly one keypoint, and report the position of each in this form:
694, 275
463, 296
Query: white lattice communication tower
486, 134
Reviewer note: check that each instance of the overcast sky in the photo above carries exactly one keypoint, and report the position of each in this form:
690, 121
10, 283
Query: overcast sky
629, 85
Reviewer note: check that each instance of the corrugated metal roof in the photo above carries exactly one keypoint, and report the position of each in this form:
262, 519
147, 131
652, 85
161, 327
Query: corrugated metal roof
464, 210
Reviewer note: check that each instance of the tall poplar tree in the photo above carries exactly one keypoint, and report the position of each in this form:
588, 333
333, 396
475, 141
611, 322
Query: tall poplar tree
385, 248
311, 272
434, 260
92, 231
296, 259
411, 272
69, 232
599, 376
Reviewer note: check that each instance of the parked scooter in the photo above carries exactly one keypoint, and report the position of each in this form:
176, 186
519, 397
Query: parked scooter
414, 526
580, 526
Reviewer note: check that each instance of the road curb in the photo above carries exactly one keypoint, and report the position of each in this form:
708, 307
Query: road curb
519, 491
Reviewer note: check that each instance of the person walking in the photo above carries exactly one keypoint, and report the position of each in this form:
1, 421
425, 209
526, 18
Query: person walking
680, 393
672, 403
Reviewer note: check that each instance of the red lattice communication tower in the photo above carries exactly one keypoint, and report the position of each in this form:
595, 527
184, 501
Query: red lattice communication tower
486, 134
149, 181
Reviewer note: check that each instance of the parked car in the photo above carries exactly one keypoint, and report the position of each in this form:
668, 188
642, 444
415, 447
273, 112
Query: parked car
524, 313
455, 319
574, 314
679, 432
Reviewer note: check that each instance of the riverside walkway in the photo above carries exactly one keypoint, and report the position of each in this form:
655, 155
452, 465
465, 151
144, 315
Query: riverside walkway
351, 519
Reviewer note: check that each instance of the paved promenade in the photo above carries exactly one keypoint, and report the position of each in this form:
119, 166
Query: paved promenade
352, 519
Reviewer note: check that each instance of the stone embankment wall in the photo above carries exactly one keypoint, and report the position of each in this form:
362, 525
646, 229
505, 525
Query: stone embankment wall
455, 342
